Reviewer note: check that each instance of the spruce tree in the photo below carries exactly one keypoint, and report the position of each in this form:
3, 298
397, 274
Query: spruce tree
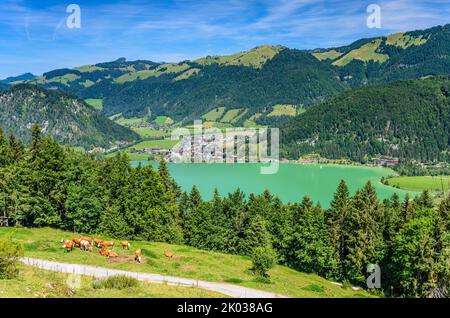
336, 219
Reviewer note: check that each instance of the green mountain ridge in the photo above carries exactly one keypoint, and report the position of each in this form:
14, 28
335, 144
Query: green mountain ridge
405, 119
255, 81
399, 56
68, 119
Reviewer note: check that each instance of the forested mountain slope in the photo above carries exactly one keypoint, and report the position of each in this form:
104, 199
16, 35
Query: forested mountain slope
398, 56
256, 83
70, 120
251, 82
406, 119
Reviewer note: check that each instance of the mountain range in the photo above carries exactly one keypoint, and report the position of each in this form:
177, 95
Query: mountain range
274, 85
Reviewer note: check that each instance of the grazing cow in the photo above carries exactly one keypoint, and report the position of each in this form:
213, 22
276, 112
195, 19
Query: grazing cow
108, 253
97, 242
112, 254
104, 252
68, 245
89, 239
138, 255
125, 245
106, 244
85, 246
168, 254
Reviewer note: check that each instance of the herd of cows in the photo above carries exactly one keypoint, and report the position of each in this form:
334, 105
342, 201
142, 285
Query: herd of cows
105, 247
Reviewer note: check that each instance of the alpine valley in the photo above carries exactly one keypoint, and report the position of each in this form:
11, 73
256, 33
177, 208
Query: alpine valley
266, 86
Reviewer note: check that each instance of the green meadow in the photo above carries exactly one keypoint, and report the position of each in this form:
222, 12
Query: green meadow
36, 283
188, 262
435, 183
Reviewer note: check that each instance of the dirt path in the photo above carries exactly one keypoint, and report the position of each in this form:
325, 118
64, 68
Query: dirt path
100, 272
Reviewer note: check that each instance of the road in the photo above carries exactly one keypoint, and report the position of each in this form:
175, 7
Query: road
100, 272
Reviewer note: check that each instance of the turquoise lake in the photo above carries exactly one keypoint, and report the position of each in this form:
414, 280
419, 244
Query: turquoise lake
291, 183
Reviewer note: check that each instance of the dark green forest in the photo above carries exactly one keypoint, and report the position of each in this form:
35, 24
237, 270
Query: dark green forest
406, 119
291, 77
44, 184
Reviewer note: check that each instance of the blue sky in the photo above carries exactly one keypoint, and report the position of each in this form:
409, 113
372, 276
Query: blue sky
34, 36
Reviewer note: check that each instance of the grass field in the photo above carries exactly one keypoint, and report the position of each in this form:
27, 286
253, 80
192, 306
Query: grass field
327, 55
365, 53
163, 120
161, 143
421, 183
404, 40
230, 115
283, 110
215, 114
256, 57
96, 103
36, 283
190, 262
128, 121
146, 132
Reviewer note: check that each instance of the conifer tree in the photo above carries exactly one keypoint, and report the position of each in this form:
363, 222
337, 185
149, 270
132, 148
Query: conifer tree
336, 218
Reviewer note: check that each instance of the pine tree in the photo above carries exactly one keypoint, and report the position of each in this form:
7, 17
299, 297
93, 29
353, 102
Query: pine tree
309, 249
363, 234
336, 218
255, 235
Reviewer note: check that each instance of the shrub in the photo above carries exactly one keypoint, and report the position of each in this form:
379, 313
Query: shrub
10, 251
263, 259
115, 282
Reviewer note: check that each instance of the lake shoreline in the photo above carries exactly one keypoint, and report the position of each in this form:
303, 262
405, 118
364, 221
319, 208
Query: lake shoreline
290, 184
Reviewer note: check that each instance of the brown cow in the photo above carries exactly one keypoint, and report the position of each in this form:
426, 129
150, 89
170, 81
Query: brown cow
89, 239
97, 242
138, 255
125, 245
112, 254
106, 244
104, 252
77, 241
168, 254
108, 253
68, 245
85, 246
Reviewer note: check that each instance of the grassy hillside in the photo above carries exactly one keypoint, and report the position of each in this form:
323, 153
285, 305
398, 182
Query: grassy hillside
188, 262
256, 57
253, 80
408, 55
36, 283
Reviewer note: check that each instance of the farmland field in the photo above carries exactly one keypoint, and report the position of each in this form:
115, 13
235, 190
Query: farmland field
163, 120
215, 114
146, 132
96, 103
283, 110
44, 243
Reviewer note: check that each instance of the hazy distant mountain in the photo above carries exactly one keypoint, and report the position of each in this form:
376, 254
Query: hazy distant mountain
20, 78
70, 120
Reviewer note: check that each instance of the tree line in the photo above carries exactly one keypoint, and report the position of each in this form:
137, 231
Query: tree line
45, 184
